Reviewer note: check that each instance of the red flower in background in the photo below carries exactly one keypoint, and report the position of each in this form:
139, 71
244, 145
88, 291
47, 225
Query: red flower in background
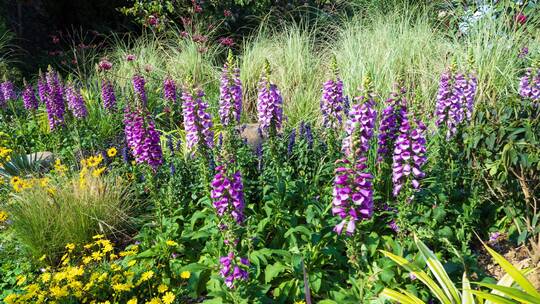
520, 18
199, 38
227, 13
153, 20
105, 65
226, 41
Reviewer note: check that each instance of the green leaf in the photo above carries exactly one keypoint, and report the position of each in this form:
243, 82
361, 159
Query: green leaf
438, 271
421, 275
520, 279
467, 297
492, 297
386, 275
403, 298
513, 293
272, 271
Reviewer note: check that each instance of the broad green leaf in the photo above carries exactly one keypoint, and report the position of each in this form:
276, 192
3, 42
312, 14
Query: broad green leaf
403, 298
272, 271
520, 279
467, 297
421, 275
513, 293
492, 297
438, 271
327, 302
507, 281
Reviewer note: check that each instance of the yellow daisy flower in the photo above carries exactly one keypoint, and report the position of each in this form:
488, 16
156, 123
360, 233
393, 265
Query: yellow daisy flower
168, 298
132, 301
162, 288
185, 275
112, 152
171, 243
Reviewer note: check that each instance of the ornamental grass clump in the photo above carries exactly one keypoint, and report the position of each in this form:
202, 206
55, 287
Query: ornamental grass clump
353, 189
49, 214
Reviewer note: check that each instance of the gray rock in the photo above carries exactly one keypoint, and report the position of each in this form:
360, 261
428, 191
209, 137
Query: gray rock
250, 132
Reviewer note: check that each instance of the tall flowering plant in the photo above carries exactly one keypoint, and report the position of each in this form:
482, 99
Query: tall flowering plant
7, 90
353, 189
409, 155
51, 92
139, 83
76, 102
391, 118
332, 100
529, 84
269, 104
197, 120
142, 138
455, 100
169, 89
108, 96
29, 97
230, 93
227, 194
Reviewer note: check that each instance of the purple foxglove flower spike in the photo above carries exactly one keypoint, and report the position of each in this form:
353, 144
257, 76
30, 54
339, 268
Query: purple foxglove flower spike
292, 140
360, 124
230, 97
332, 100
138, 87
142, 137
169, 89
352, 195
228, 194
29, 98
353, 190
409, 155
233, 269
455, 100
529, 85
2, 101
197, 120
107, 95
42, 88
8, 91
76, 102
269, 105
54, 99
391, 119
